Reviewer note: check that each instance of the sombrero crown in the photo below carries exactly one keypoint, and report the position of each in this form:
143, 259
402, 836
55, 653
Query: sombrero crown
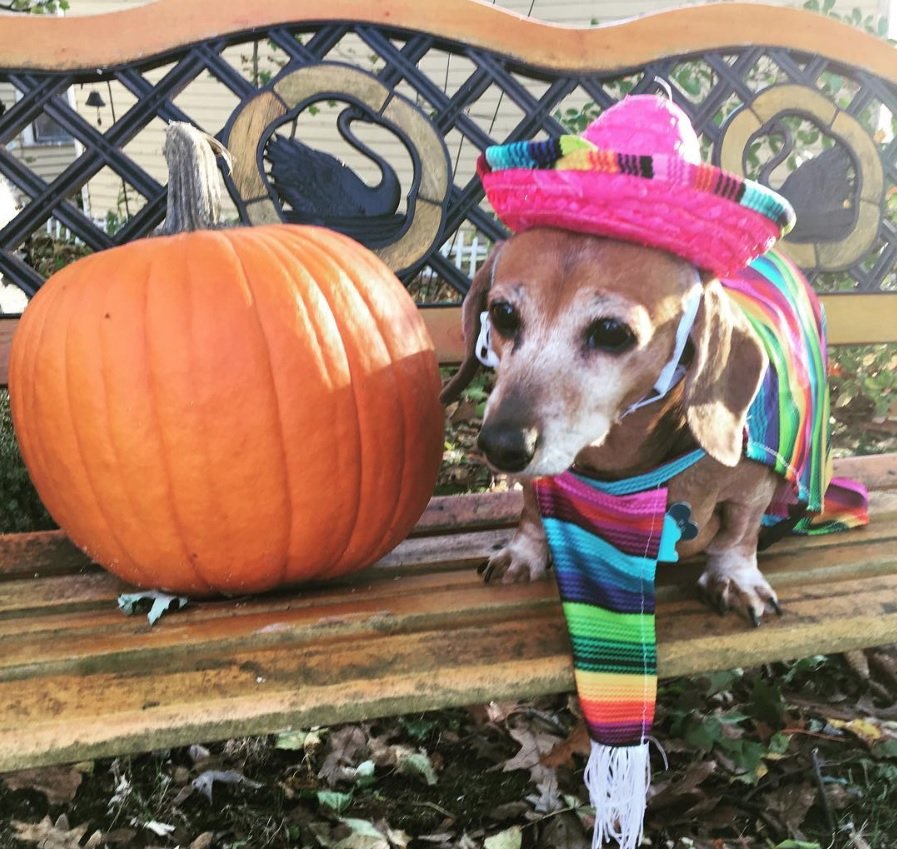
636, 174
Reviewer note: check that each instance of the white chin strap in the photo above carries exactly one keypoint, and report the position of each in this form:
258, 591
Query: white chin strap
669, 375
674, 371
485, 353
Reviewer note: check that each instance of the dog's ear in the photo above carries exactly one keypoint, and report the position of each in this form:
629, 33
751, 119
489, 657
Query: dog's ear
725, 374
474, 304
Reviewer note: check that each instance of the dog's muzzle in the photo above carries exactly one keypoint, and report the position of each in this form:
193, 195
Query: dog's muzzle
508, 448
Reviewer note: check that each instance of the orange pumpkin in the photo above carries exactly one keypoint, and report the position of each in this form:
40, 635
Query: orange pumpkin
231, 410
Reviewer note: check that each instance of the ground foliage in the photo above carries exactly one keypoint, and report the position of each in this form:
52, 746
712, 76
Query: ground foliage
794, 756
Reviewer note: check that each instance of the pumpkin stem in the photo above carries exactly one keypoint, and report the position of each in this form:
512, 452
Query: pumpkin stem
194, 188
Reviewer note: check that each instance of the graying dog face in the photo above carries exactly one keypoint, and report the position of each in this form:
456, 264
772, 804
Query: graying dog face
582, 327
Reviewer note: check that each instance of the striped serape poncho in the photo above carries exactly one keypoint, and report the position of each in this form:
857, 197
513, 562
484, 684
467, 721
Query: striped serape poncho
606, 538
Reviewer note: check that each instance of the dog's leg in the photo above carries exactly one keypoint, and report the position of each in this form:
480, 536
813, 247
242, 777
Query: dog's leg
525, 557
732, 579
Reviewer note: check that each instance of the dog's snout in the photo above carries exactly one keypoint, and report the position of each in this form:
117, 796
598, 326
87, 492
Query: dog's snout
509, 448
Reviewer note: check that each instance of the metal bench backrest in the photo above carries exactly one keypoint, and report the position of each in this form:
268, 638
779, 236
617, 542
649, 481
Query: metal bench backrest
409, 94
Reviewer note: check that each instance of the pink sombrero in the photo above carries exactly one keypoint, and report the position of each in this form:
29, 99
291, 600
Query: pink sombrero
636, 174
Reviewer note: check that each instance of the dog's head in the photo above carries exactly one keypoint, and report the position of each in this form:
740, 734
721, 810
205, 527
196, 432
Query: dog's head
582, 327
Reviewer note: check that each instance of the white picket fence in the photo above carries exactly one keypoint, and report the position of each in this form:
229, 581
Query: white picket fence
466, 250
59, 231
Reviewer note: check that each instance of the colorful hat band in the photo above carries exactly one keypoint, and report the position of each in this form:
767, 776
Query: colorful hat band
574, 153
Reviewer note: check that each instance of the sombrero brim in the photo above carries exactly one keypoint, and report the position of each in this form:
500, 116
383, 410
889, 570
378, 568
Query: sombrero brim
711, 217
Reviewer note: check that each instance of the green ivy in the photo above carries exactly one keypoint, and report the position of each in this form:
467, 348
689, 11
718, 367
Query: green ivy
875, 24
36, 7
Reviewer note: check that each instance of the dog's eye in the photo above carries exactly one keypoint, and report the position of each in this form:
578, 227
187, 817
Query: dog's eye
608, 334
505, 319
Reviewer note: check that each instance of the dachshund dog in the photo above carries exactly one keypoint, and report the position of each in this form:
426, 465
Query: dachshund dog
581, 326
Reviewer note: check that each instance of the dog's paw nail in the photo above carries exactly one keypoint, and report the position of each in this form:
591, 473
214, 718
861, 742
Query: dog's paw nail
721, 607
775, 606
755, 619
482, 568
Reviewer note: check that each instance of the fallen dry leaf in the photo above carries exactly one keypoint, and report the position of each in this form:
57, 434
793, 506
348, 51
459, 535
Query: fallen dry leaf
858, 662
348, 833
499, 712
346, 747
867, 730
119, 837
577, 743
792, 804
547, 797
206, 781
160, 829
397, 839
565, 831
48, 834
886, 665
58, 783
674, 790
510, 838
437, 838
534, 745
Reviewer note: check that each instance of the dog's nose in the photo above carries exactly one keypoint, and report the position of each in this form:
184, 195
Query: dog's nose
508, 448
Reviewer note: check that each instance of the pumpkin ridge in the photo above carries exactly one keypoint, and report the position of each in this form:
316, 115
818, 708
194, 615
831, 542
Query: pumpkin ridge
23, 389
283, 241
152, 386
276, 244
399, 388
412, 418
109, 348
323, 259
77, 438
288, 493
124, 483
378, 295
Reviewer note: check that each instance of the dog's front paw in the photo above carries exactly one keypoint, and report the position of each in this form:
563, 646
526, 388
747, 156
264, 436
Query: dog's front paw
731, 583
522, 559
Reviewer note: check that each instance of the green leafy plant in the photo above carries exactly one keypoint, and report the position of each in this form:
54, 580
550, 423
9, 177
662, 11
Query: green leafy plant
36, 7
863, 380
20, 507
462, 469
47, 254
875, 24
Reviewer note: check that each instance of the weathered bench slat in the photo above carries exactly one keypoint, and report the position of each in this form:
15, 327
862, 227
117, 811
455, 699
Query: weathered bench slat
116, 38
82, 612
87, 681
90, 711
28, 606
852, 320
229, 694
113, 642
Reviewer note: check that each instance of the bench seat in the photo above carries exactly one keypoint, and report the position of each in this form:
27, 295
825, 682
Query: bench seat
418, 631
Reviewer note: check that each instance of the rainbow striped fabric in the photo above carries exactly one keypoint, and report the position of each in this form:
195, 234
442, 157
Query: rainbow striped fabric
607, 537
575, 153
788, 422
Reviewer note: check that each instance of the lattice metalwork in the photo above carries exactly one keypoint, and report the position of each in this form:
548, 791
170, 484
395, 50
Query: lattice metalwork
825, 134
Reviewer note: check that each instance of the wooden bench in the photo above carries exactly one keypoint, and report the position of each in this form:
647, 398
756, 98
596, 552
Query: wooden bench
419, 630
